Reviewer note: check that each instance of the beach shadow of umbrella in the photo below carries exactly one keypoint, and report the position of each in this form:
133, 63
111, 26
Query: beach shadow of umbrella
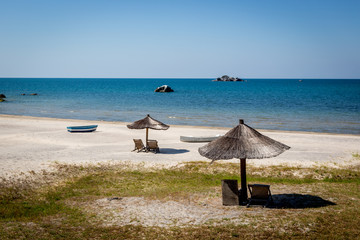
298, 201
173, 151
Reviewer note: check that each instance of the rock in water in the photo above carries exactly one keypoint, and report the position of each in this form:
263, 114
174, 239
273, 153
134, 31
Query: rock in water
164, 88
2, 95
226, 78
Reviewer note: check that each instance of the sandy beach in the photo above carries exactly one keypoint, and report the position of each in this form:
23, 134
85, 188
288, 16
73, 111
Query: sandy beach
33, 144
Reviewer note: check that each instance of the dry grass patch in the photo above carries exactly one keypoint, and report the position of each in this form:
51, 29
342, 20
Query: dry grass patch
128, 201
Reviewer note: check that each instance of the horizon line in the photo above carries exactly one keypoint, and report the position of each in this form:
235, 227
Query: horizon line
308, 78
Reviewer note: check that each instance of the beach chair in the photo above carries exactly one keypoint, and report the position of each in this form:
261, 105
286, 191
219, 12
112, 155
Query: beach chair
139, 146
259, 194
153, 146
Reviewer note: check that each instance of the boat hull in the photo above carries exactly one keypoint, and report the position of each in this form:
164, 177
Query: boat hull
88, 128
198, 139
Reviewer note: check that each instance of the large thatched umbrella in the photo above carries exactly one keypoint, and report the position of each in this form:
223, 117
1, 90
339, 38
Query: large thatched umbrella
148, 122
242, 142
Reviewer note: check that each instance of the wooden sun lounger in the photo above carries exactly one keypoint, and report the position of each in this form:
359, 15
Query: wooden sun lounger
152, 145
139, 145
260, 194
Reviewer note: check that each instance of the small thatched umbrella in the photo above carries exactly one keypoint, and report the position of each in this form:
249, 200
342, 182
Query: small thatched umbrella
148, 122
242, 142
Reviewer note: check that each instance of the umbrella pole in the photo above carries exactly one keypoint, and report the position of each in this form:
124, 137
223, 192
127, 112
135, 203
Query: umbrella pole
243, 193
147, 134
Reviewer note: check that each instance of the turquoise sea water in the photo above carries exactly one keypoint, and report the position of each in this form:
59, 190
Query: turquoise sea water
318, 105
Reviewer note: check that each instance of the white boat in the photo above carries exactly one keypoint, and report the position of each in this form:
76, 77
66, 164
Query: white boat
199, 139
89, 128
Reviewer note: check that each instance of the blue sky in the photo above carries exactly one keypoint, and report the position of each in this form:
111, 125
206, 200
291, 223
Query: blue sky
201, 39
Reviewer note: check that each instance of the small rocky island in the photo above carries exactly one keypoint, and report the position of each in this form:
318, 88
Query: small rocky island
164, 88
226, 78
2, 96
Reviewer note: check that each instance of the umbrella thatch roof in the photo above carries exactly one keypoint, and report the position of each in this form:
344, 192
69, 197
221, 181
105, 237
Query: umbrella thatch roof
148, 122
242, 142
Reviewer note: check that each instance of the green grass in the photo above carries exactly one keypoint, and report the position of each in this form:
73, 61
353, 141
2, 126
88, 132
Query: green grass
49, 206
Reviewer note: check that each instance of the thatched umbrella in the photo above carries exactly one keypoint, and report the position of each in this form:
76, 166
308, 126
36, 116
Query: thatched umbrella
242, 142
148, 122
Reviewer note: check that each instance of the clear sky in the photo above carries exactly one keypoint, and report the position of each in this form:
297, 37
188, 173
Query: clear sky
180, 38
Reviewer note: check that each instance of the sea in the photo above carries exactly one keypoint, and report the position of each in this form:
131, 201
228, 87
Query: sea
311, 105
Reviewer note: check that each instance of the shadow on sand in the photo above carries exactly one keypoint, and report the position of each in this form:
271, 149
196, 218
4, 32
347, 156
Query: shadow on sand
172, 151
298, 201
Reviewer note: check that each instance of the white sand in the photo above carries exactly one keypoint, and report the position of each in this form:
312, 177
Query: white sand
31, 144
